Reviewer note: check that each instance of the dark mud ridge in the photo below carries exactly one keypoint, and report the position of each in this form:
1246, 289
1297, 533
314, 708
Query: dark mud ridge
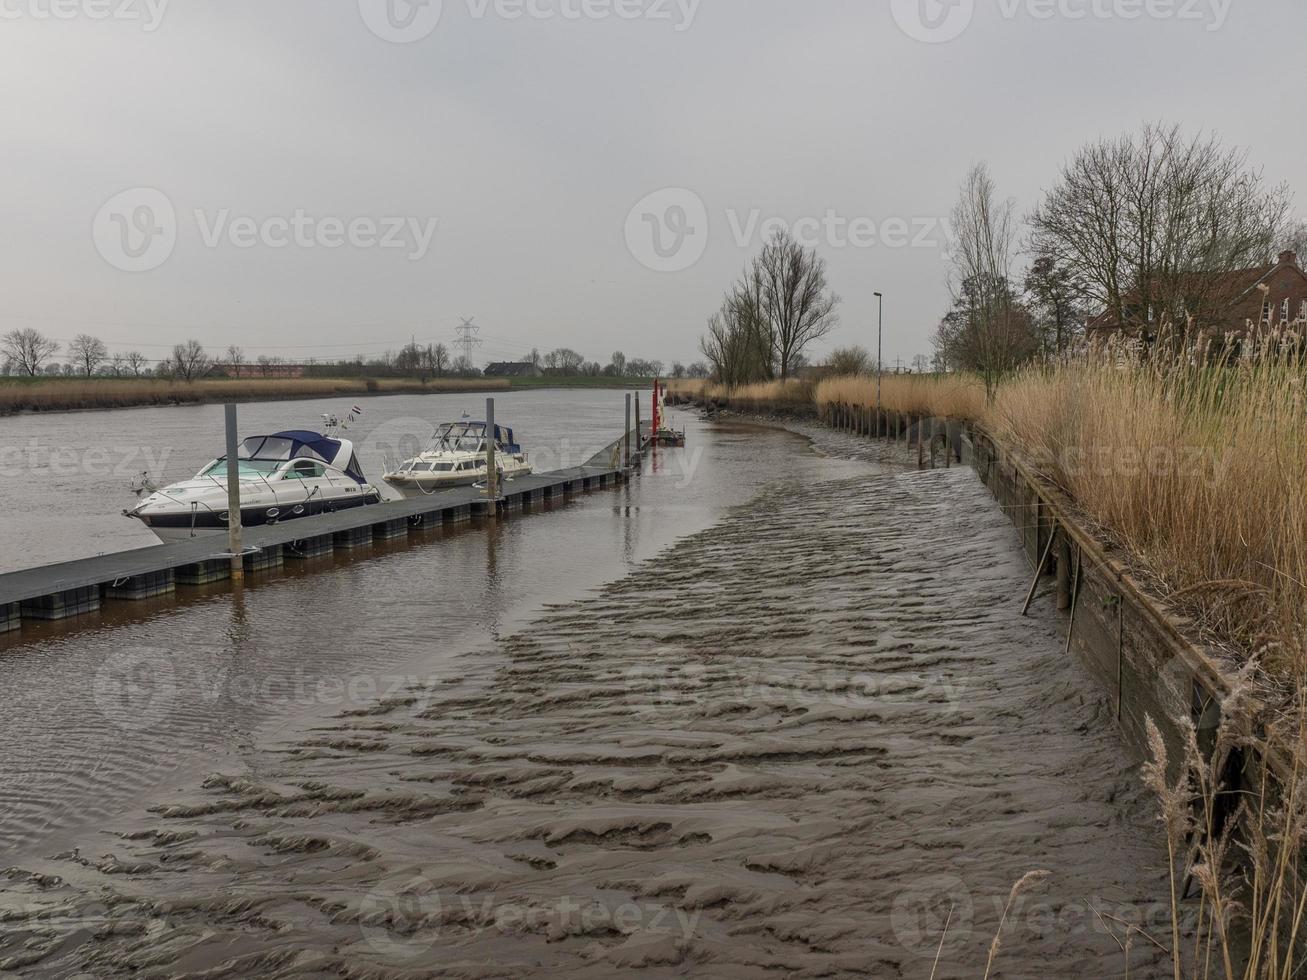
815, 740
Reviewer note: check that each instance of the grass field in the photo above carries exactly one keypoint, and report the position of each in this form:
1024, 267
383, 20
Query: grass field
21, 394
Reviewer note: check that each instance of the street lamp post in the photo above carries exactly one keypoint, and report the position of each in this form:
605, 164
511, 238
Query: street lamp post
880, 348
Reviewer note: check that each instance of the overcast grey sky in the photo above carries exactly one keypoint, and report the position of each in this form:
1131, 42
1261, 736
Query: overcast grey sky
267, 172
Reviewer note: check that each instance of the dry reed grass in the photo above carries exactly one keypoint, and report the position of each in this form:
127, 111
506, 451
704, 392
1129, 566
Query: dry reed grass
762, 395
1241, 850
1199, 472
61, 395
955, 396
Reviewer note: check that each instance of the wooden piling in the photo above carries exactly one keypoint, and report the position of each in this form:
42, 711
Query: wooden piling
235, 548
1063, 573
492, 468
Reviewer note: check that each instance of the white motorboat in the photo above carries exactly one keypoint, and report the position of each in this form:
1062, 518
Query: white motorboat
456, 457
283, 477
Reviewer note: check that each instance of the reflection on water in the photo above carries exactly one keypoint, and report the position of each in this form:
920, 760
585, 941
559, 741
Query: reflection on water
100, 713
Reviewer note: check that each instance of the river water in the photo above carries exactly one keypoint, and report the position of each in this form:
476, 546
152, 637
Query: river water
769, 710
66, 477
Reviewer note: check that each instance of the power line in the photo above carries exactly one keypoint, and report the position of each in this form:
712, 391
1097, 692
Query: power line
468, 340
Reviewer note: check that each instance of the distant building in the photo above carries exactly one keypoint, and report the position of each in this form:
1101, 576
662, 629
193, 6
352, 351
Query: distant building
1263, 298
264, 370
513, 369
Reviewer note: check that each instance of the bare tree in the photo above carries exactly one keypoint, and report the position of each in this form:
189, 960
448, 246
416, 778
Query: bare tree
1055, 305
189, 361
136, 362
566, 361
987, 331
235, 358
739, 344
797, 302
1147, 226
464, 367
438, 357
1294, 239
87, 353
617, 365
849, 361
116, 366
28, 349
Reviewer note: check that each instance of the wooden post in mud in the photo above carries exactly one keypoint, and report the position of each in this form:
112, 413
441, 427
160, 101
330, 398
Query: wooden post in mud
235, 547
921, 443
1063, 572
626, 439
492, 467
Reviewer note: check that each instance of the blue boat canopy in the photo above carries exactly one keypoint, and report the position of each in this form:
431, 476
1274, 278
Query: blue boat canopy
467, 434
301, 444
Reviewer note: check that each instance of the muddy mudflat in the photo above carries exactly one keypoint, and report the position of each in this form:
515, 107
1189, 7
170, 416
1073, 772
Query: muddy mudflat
813, 740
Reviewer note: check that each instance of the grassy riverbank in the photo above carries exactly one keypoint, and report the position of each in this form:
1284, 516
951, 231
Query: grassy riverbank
73, 394
1198, 472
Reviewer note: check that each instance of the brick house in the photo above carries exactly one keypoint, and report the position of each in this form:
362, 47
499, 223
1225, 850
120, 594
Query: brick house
256, 370
1263, 298
513, 369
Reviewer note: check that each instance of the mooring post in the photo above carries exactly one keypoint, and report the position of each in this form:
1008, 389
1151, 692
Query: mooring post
492, 469
626, 439
1063, 572
638, 445
235, 547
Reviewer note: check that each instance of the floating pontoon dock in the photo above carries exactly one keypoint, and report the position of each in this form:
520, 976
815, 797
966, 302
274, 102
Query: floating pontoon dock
74, 588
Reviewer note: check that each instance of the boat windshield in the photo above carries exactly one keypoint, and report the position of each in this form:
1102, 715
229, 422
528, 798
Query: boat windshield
245, 467
461, 437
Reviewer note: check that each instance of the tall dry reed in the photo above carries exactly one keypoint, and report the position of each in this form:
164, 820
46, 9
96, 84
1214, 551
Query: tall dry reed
1199, 472
1238, 895
65, 395
956, 396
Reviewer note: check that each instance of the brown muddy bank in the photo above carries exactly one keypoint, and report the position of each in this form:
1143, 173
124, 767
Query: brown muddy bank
797, 743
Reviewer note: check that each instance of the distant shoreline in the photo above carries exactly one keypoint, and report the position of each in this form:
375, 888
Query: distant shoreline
22, 396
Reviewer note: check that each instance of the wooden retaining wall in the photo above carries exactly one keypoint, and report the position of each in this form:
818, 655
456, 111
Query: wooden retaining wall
1138, 651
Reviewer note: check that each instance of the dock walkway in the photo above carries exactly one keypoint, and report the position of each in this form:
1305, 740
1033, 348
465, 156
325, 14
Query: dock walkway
75, 588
